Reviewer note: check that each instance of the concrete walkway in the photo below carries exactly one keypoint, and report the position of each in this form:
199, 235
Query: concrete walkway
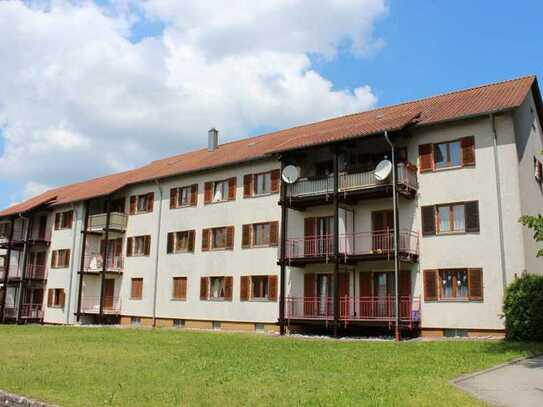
516, 384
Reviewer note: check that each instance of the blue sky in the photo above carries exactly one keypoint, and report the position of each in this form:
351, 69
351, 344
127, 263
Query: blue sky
430, 47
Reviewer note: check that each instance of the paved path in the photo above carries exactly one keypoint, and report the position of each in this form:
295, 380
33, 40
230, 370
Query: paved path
516, 384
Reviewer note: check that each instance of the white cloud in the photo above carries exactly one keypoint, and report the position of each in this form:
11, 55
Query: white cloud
81, 100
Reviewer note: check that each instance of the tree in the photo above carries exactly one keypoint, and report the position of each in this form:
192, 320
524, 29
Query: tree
536, 224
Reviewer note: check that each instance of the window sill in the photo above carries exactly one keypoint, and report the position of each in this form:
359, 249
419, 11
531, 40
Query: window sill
140, 213
179, 299
220, 249
55, 306
136, 298
219, 202
262, 246
182, 252
217, 300
454, 300
184, 206
139, 255
66, 228
59, 267
260, 195
456, 167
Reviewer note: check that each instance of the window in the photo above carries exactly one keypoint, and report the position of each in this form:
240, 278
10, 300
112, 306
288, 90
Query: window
138, 246
450, 154
538, 170
136, 290
117, 205
453, 284
451, 218
181, 242
141, 203
447, 155
64, 220
60, 258
184, 196
221, 238
55, 298
258, 288
260, 184
179, 288
461, 217
216, 288
220, 191
5, 229
260, 235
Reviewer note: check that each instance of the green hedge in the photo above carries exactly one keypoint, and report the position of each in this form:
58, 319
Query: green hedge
523, 309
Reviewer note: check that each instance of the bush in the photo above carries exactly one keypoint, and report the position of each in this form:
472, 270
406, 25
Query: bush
523, 309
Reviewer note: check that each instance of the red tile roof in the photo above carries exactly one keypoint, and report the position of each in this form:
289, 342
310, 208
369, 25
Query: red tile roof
451, 106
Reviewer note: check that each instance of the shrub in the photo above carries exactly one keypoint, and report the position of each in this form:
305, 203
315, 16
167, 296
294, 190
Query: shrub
523, 309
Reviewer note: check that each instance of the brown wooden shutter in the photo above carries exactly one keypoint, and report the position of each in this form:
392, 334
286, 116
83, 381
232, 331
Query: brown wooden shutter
229, 237
244, 288
40, 258
246, 236
428, 220
183, 288
70, 219
365, 284
133, 204
169, 248
475, 284
192, 234
57, 221
426, 160
204, 282
275, 181
50, 297
119, 246
133, 290
129, 245
61, 298
67, 258
405, 283
343, 278
103, 247
194, 195
272, 288
180, 288
147, 245
472, 216
208, 192
468, 150
173, 197
206, 237
274, 233
248, 185
310, 293
228, 282
150, 201
309, 232
175, 291
232, 184
430, 285
54, 257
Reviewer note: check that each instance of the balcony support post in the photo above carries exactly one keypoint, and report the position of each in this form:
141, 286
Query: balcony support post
23, 270
104, 260
336, 243
282, 253
396, 240
6, 269
82, 260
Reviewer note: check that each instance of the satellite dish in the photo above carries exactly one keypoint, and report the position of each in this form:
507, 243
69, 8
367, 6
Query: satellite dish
383, 170
290, 174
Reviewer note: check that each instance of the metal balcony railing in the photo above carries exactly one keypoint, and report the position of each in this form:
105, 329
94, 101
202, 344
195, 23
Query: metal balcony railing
95, 263
28, 311
36, 271
91, 305
117, 221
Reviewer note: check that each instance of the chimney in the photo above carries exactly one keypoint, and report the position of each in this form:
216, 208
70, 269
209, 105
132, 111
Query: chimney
212, 139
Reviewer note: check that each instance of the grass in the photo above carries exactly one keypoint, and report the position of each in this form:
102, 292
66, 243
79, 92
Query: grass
130, 367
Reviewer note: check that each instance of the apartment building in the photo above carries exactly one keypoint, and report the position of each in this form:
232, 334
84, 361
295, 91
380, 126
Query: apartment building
295, 229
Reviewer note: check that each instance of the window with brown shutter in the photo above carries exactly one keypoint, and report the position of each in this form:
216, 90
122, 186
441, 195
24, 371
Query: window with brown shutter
426, 161
232, 185
64, 220
264, 234
183, 197
244, 288
56, 298
138, 246
136, 289
180, 242
460, 217
220, 191
60, 258
142, 203
216, 288
475, 284
472, 216
430, 285
179, 288
449, 154
468, 151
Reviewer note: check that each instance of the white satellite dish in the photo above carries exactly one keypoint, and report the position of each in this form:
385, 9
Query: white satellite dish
383, 170
290, 174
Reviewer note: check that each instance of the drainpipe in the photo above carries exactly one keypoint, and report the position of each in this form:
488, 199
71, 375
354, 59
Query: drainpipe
396, 239
499, 196
68, 306
82, 257
282, 253
155, 292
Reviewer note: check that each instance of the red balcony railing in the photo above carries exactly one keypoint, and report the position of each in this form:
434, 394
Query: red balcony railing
91, 305
36, 271
28, 311
381, 309
357, 244
95, 263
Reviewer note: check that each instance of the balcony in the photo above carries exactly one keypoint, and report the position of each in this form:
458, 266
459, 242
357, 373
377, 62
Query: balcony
352, 186
117, 222
91, 305
353, 309
94, 263
28, 311
36, 272
377, 245
19, 238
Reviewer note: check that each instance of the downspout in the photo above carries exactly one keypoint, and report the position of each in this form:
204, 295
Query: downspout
499, 198
396, 239
155, 292
282, 253
82, 258
68, 306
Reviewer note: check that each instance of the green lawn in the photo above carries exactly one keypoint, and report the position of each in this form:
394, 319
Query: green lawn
129, 367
